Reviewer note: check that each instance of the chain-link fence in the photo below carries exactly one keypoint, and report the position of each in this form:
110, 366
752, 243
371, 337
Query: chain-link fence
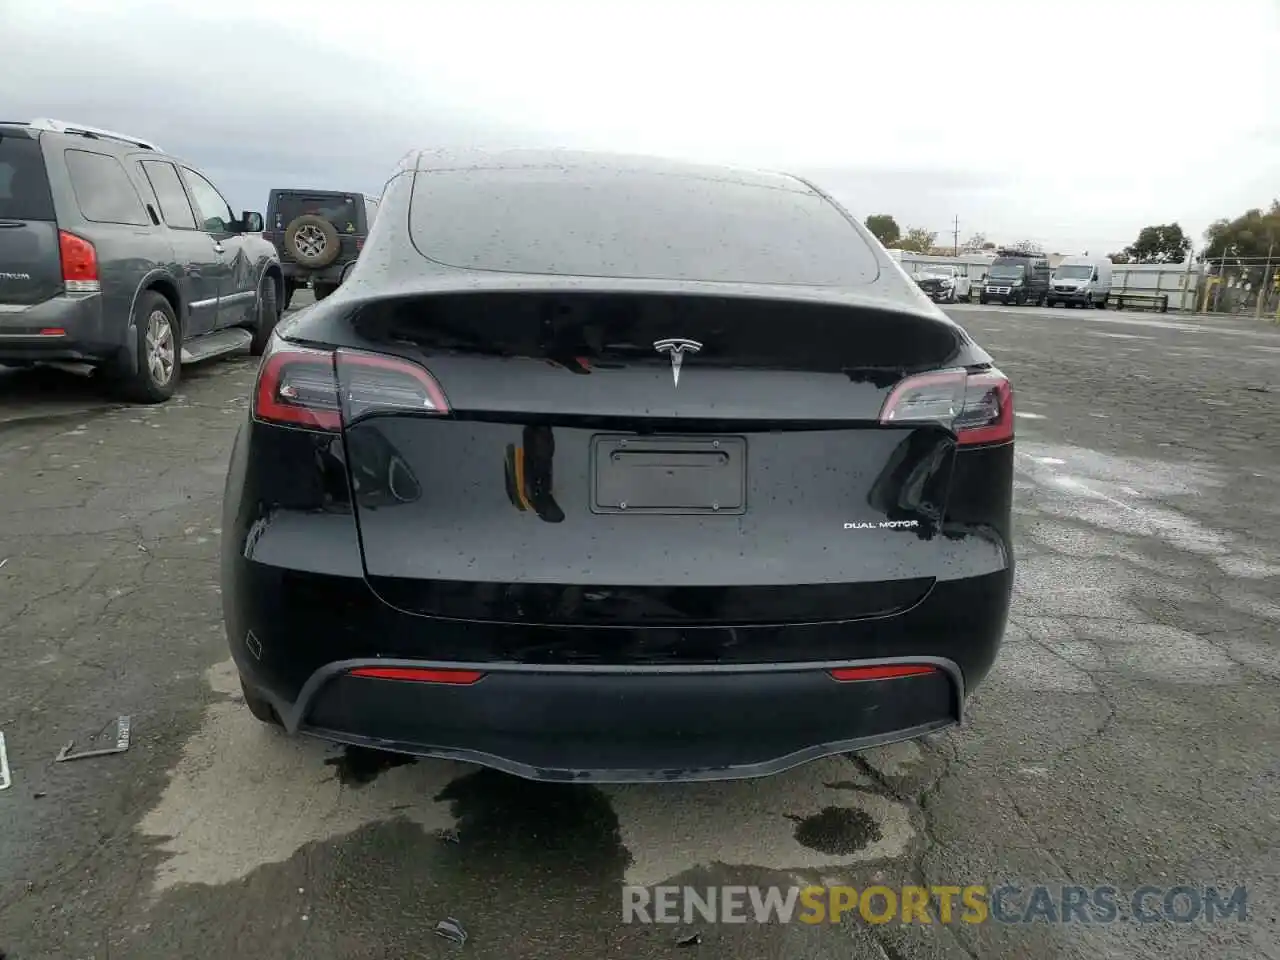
1241, 286
1231, 286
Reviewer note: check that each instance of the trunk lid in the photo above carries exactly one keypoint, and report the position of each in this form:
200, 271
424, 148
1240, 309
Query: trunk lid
30, 263
583, 475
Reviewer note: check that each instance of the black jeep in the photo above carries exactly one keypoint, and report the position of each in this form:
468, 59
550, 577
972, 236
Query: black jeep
317, 233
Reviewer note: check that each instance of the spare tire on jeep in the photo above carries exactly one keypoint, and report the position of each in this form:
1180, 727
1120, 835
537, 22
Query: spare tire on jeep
312, 240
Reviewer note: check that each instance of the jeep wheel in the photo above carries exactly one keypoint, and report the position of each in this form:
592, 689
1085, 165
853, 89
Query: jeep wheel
312, 241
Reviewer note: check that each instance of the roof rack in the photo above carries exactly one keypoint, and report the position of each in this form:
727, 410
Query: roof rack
61, 126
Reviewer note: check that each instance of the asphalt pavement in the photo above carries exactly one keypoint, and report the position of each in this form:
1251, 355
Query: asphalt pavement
1129, 735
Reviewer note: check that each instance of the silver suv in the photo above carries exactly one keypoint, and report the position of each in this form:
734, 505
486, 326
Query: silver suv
116, 254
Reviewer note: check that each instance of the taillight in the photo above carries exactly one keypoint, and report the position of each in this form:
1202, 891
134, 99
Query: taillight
320, 389
420, 674
79, 264
978, 407
297, 386
883, 672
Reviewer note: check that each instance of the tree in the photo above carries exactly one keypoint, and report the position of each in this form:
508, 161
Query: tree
1161, 243
1120, 257
918, 240
1250, 236
885, 228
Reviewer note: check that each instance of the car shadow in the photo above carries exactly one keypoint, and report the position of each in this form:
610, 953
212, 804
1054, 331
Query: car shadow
45, 393
50, 393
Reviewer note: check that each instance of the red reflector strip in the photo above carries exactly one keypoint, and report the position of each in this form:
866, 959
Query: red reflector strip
418, 674
886, 672
53, 332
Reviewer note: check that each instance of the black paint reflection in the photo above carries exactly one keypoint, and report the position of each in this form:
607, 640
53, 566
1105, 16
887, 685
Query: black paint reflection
380, 475
528, 474
913, 484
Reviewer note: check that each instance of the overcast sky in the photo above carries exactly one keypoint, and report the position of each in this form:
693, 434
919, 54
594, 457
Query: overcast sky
1073, 123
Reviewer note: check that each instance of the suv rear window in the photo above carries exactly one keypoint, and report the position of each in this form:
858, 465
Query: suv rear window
342, 211
24, 185
637, 225
103, 190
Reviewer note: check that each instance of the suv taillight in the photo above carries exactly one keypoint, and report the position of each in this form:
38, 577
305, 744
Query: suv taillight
79, 263
978, 407
322, 389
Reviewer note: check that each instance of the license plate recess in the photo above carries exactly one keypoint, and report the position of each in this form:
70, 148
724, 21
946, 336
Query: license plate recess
679, 476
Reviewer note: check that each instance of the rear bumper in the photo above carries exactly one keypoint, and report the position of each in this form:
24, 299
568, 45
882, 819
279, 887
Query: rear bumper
616, 725
27, 334
606, 704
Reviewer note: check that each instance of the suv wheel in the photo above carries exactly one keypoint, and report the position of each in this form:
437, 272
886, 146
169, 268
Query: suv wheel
268, 316
159, 351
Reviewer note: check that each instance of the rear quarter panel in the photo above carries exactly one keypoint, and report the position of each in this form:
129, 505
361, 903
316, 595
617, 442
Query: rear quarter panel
128, 255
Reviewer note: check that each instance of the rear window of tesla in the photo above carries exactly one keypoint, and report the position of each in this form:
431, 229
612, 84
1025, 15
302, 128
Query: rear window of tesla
635, 225
24, 185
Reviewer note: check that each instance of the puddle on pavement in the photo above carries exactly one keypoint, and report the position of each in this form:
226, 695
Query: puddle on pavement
837, 831
244, 796
360, 766
551, 827
675, 828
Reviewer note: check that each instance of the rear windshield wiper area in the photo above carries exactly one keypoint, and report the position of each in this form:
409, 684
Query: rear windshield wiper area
415, 324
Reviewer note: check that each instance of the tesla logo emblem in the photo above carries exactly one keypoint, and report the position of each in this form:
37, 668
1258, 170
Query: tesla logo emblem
677, 348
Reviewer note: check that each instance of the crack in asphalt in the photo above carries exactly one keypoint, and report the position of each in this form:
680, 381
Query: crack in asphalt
917, 801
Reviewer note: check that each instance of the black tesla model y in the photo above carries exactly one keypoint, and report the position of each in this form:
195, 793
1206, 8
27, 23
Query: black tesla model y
609, 468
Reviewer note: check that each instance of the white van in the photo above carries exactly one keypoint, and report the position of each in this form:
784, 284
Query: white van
1082, 280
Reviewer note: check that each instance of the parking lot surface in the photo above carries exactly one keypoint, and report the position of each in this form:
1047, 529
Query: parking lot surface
1129, 735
